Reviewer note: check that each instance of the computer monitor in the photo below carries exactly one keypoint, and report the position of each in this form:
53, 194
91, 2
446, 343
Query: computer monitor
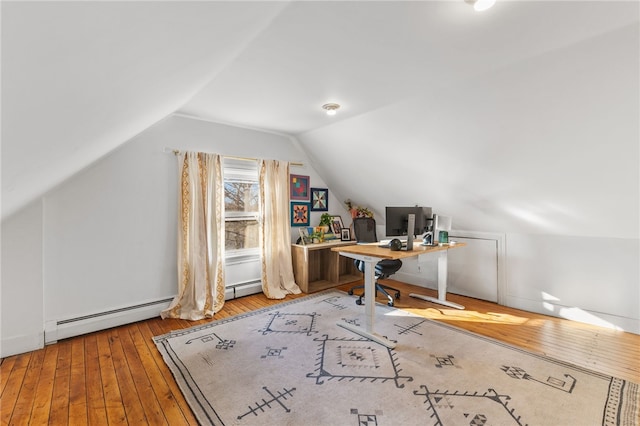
397, 218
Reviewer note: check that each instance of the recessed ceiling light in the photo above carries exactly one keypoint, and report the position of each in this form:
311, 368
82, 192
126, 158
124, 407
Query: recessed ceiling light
481, 5
331, 108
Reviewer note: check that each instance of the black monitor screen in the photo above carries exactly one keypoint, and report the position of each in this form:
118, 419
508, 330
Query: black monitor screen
398, 217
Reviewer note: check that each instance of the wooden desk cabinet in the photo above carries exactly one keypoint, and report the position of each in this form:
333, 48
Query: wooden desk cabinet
316, 267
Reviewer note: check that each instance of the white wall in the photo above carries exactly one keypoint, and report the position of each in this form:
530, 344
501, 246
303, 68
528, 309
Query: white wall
106, 238
21, 312
544, 152
594, 280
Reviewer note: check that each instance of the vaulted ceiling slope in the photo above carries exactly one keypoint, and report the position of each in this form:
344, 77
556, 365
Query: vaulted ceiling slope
81, 78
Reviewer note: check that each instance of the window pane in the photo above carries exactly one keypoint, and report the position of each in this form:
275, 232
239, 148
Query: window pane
240, 196
241, 234
241, 204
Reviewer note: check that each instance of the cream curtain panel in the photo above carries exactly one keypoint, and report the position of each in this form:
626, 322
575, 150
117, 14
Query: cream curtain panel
275, 230
201, 239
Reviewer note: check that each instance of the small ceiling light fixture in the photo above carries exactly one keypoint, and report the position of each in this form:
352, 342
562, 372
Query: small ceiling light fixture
481, 5
331, 108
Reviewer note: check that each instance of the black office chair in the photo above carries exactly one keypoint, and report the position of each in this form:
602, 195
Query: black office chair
364, 229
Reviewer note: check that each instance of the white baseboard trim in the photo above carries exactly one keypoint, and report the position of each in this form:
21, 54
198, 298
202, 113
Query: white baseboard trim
630, 325
21, 344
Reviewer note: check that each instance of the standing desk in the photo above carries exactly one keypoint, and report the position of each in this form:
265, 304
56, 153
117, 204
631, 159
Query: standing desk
371, 254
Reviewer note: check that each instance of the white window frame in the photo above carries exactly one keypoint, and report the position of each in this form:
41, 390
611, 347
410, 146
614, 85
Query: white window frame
238, 170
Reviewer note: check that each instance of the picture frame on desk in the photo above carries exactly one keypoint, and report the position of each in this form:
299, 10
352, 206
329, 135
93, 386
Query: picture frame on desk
345, 234
335, 228
336, 224
304, 236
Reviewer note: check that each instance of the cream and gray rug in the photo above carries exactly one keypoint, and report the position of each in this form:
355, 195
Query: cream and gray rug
290, 364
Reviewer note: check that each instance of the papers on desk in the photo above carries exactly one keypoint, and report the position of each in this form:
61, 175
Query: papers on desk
450, 244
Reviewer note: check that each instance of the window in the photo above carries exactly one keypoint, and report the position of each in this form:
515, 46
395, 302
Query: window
241, 204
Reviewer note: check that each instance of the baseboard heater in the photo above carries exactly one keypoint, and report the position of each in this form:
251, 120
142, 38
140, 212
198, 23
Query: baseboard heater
243, 289
62, 329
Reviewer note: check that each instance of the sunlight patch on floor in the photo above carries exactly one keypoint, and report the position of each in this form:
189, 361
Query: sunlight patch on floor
468, 316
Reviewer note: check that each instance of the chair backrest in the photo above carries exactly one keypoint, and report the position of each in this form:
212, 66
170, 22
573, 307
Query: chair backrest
365, 229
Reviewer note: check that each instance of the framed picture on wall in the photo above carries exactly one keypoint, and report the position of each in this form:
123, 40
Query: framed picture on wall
300, 213
299, 187
319, 199
345, 234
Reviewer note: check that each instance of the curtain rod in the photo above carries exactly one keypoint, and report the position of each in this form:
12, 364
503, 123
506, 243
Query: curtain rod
177, 151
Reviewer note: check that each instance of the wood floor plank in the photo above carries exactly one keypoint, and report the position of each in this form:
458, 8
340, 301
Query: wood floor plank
158, 328
6, 365
44, 390
250, 304
113, 403
12, 389
162, 327
150, 405
175, 408
26, 397
78, 385
96, 410
130, 398
232, 309
59, 414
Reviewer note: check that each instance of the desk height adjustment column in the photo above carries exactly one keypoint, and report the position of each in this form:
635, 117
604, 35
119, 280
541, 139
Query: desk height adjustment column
369, 306
442, 284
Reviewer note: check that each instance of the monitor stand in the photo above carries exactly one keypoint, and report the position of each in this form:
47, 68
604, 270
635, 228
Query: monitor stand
411, 223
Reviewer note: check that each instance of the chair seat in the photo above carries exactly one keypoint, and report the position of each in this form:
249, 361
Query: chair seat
384, 268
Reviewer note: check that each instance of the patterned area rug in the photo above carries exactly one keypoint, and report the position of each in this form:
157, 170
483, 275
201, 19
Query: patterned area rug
290, 364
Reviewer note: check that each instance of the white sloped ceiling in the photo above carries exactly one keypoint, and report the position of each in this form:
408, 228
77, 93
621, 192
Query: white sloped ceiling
467, 110
81, 78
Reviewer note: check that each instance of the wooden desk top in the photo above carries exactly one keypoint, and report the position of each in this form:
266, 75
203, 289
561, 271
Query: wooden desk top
373, 250
324, 245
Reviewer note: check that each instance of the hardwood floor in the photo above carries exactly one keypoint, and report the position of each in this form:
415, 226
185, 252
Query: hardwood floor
117, 376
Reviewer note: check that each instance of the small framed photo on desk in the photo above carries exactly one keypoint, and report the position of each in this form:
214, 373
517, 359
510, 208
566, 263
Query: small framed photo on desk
345, 234
336, 224
305, 238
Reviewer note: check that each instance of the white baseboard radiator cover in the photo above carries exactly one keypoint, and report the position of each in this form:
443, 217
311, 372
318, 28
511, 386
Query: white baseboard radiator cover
62, 329
243, 289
